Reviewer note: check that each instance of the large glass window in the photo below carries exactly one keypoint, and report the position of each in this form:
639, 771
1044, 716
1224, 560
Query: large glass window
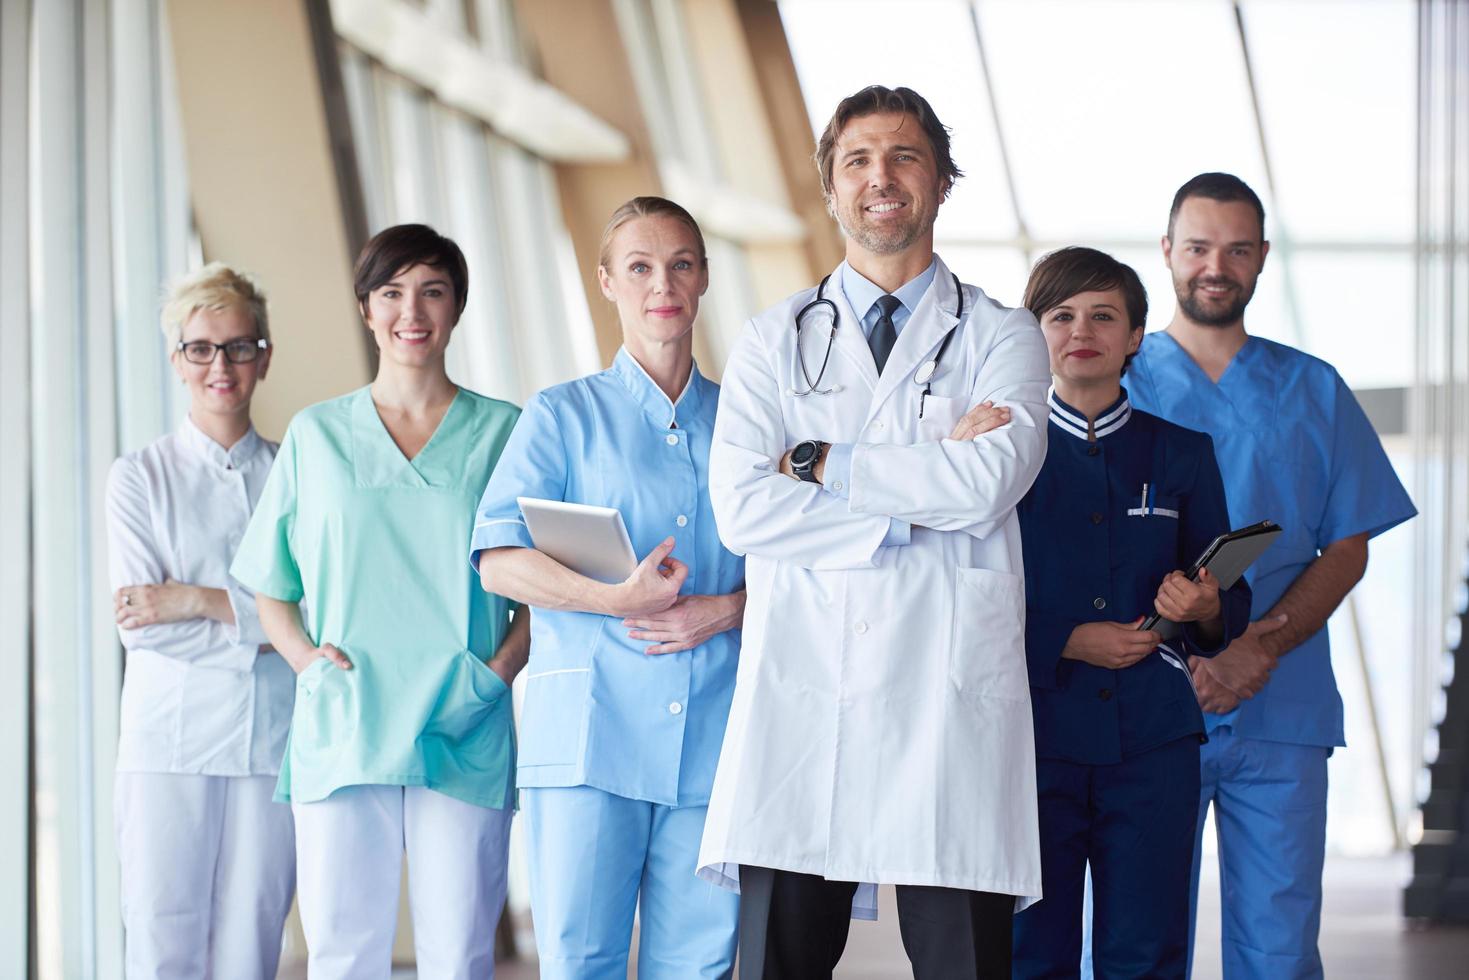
420, 160
1076, 120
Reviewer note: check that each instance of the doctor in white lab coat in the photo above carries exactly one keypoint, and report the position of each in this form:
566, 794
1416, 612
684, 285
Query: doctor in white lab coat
208, 860
881, 728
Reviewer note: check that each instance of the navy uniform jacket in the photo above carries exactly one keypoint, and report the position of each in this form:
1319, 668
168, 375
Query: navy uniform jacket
1096, 549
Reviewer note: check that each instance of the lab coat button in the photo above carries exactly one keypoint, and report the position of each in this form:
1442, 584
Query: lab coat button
675, 708
1099, 603
877, 424
671, 439
1105, 694
1096, 518
861, 628
682, 521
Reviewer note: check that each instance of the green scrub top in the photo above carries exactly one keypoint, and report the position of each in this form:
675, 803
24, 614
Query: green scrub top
372, 545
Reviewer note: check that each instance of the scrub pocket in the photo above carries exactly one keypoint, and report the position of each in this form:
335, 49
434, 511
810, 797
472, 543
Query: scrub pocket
987, 654
470, 697
555, 716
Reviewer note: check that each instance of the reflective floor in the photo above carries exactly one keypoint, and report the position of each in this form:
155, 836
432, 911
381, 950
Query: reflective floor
1363, 937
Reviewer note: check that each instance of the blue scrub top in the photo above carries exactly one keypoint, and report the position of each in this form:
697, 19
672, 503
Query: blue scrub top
1120, 502
1295, 448
598, 710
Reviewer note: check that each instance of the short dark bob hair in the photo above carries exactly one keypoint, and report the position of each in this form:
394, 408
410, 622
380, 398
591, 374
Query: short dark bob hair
1075, 269
878, 98
1216, 187
401, 247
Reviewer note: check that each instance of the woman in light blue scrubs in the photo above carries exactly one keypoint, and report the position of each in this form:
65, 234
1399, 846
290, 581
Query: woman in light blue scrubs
628, 685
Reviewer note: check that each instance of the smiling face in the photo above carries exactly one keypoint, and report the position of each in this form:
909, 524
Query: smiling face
885, 187
412, 315
1089, 337
655, 274
1215, 254
219, 387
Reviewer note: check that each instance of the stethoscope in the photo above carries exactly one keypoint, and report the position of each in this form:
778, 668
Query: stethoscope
923, 376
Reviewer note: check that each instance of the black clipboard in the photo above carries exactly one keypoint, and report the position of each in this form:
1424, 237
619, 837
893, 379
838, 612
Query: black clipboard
1226, 558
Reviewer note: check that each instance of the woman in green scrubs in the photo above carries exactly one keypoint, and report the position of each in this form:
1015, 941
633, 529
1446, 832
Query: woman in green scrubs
402, 734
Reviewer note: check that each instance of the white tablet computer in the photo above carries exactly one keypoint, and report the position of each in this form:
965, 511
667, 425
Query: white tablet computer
586, 539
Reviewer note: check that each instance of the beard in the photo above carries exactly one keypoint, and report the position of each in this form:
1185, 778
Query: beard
1209, 312
888, 238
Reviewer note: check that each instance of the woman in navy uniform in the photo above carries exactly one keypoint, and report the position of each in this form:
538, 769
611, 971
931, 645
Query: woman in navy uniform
1123, 502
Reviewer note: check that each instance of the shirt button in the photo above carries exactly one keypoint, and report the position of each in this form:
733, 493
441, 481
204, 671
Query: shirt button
1099, 603
675, 708
837, 485
1096, 518
1093, 449
1105, 694
682, 521
671, 439
861, 628
877, 423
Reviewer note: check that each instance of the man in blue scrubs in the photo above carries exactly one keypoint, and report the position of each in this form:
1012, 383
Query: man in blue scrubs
1294, 447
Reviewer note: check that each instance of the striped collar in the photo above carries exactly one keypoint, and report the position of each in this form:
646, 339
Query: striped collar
1072, 422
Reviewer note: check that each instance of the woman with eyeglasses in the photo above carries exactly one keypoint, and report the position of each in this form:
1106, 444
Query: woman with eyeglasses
208, 862
402, 735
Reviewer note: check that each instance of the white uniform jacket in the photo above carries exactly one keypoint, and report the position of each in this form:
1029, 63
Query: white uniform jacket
197, 696
881, 727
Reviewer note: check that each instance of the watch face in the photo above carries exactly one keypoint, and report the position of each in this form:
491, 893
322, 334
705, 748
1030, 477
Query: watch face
803, 454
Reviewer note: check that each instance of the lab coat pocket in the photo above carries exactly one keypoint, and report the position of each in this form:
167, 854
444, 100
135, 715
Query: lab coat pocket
554, 720
152, 693
987, 653
939, 416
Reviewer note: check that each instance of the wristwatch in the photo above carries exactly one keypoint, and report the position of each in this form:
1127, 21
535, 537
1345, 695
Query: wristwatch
804, 458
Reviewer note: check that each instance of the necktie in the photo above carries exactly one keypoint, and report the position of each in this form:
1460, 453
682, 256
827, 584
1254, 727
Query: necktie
884, 331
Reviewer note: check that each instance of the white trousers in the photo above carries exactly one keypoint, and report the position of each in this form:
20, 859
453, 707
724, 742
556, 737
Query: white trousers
350, 859
208, 868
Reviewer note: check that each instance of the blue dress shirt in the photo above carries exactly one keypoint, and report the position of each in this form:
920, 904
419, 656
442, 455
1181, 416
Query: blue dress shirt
862, 294
599, 711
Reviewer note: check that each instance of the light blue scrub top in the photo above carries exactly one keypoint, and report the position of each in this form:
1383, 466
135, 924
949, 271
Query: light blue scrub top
372, 545
599, 711
1294, 447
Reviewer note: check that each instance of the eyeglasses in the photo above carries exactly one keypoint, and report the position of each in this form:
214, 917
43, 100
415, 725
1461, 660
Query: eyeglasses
240, 351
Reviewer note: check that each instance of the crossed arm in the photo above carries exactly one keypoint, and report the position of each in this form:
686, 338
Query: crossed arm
1240, 671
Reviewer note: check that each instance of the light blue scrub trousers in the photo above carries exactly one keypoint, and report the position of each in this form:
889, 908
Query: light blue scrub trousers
1270, 810
594, 859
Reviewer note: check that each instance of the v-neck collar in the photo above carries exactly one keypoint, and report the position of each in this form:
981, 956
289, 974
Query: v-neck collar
377, 460
1238, 364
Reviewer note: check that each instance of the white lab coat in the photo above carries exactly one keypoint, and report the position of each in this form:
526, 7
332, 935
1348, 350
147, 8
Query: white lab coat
197, 695
208, 860
881, 728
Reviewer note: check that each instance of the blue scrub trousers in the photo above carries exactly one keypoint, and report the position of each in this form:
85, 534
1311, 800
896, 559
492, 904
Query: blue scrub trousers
1270, 813
595, 858
1134, 821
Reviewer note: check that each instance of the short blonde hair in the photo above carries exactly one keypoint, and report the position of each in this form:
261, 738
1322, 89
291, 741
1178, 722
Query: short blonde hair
214, 287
